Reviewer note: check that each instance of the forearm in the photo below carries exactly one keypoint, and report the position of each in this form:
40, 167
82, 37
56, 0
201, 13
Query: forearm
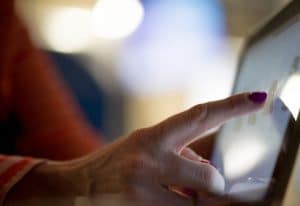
47, 184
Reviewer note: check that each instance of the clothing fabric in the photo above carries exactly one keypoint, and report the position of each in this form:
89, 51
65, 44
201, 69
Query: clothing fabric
13, 169
38, 115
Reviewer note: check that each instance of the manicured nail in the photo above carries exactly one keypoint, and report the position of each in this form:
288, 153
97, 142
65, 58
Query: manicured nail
258, 97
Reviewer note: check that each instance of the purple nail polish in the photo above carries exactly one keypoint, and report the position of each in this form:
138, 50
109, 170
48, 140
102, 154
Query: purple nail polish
258, 97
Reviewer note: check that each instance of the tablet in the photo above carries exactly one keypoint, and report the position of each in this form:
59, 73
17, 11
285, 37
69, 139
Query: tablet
256, 152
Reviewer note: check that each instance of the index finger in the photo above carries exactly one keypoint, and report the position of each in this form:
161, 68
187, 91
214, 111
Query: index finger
182, 129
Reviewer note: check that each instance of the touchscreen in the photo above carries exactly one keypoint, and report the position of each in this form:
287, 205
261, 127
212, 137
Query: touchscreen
247, 148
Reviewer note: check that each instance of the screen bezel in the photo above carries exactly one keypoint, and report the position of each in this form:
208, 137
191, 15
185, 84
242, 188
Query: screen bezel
284, 165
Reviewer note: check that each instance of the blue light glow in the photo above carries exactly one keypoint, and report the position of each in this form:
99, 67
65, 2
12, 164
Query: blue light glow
176, 38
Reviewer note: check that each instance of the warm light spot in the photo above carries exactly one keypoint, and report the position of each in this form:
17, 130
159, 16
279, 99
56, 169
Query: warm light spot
115, 19
67, 29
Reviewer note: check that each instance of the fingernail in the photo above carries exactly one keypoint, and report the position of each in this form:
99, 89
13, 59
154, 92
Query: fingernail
258, 97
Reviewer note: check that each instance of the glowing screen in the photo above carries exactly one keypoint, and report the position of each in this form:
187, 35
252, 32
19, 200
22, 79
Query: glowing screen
247, 148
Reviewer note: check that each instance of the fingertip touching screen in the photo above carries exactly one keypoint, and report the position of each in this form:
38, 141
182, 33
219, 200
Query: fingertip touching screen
247, 148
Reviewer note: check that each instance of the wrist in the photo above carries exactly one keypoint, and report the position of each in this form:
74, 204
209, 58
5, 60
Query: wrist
50, 183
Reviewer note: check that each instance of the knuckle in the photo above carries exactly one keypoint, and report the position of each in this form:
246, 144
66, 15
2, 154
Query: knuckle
161, 129
143, 137
198, 113
159, 137
204, 112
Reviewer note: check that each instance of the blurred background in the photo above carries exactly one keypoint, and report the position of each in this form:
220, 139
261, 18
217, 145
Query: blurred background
132, 63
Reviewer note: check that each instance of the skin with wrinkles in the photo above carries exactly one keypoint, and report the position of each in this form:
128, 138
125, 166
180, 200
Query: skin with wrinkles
140, 168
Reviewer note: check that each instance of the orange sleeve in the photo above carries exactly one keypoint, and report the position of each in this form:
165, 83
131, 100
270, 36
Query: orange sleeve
13, 169
52, 125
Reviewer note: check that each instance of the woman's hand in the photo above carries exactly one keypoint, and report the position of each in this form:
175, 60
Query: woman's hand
139, 169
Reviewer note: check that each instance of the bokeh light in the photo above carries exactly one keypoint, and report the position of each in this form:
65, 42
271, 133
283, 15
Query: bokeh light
115, 19
178, 45
67, 30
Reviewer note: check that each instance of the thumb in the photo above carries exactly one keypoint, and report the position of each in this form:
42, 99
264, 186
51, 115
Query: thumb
199, 176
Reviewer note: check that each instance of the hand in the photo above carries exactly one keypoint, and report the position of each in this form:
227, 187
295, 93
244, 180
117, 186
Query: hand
139, 169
